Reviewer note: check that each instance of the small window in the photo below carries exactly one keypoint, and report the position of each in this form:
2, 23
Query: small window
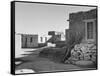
45, 39
41, 39
31, 39
25, 42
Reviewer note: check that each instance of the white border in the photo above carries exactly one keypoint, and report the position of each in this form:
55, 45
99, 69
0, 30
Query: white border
5, 38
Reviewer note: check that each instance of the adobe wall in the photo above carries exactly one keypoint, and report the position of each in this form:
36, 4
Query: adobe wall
27, 43
76, 21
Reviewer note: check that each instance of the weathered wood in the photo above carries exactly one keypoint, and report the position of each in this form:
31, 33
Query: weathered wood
68, 52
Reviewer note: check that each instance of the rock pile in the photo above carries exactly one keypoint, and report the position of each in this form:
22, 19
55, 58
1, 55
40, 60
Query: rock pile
86, 52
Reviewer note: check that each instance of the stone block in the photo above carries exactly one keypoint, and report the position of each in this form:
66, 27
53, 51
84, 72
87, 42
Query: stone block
87, 57
84, 62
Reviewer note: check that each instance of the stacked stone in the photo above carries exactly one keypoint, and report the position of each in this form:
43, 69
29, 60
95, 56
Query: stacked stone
94, 54
83, 52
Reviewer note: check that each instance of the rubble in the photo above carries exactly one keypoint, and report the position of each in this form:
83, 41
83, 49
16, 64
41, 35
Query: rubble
83, 52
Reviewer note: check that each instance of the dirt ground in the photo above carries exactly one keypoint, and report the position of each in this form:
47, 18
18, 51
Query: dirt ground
40, 64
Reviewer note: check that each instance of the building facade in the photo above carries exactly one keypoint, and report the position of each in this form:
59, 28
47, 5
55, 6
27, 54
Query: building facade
84, 23
54, 37
43, 38
29, 41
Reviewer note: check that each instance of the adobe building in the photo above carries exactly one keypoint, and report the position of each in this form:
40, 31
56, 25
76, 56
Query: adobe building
84, 23
82, 37
54, 36
29, 40
43, 38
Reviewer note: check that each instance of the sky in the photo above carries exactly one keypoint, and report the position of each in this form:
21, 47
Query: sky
33, 18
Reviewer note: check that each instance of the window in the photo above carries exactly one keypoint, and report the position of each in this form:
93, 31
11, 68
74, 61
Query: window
26, 42
41, 39
45, 39
89, 30
31, 39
